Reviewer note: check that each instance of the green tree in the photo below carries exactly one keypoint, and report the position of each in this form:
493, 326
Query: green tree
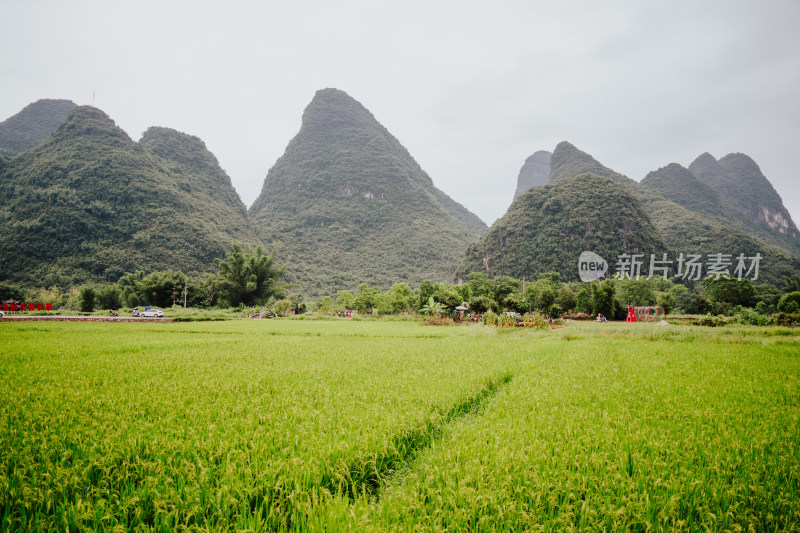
204, 292
603, 294
503, 286
637, 291
583, 301
367, 297
447, 295
161, 289
481, 304
553, 278
398, 298
11, 292
727, 292
464, 292
109, 298
545, 297
769, 294
344, 299
792, 283
516, 302
480, 285
566, 299
130, 288
425, 292
282, 307
248, 277
87, 299
667, 301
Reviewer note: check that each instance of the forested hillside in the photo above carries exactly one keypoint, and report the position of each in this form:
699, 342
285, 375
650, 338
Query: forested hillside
32, 125
350, 205
687, 214
547, 228
90, 204
749, 197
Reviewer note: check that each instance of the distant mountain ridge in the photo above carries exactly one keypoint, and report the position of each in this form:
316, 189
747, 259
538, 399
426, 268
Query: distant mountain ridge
535, 171
548, 227
89, 204
350, 205
679, 185
689, 214
749, 197
31, 126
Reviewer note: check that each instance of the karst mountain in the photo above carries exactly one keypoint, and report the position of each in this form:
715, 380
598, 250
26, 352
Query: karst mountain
31, 126
349, 205
346, 203
89, 204
703, 209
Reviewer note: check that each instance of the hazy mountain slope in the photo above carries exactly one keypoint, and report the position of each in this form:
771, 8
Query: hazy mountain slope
568, 161
683, 230
461, 213
548, 227
199, 175
679, 185
91, 204
350, 205
32, 125
749, 197
534, 172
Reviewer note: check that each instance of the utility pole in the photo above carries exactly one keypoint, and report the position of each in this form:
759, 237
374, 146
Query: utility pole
185, 289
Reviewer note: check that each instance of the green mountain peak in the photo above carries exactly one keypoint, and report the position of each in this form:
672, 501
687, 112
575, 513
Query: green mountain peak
350, 205
749, 198
678, 184
89, 204
32, 125
548, 227
535, 171
568, 161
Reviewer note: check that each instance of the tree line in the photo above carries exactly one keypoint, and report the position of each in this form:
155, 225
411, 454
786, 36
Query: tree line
248, 277
549, 295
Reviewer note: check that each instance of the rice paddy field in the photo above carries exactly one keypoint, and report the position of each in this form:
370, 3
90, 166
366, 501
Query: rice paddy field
391, 425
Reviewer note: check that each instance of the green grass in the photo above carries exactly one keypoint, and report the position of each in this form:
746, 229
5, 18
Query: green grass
392, 425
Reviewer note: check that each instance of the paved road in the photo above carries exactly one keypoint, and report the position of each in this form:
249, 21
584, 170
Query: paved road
62, 318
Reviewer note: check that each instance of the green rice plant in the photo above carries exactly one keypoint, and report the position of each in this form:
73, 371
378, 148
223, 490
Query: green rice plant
182, 425
383, 425
615, 434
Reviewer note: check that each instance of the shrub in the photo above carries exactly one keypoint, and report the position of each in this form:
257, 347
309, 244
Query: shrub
490, 319
481, 304
753, 318
282, 307
535, 320
710, 321
790, 303
762, 308
109, 298
791, 320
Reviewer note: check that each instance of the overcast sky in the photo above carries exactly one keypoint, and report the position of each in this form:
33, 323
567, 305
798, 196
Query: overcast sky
469, 88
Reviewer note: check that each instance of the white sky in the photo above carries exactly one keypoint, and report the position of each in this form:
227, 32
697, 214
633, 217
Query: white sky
469, 88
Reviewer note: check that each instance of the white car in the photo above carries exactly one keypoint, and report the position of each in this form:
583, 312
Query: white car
152, 313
